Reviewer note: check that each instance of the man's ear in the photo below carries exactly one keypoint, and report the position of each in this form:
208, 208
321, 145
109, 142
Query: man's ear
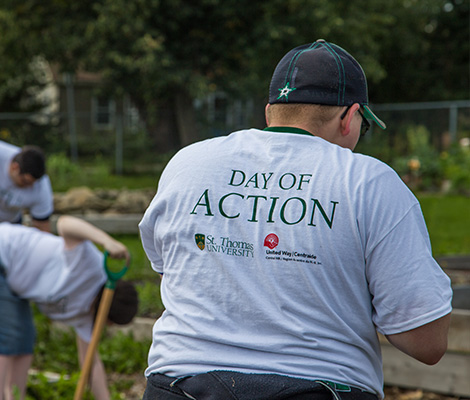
346, 121
266, 113
14, 167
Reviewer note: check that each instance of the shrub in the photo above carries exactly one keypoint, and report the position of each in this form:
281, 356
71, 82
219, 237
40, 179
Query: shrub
61, 170
456, 166
150, 304
122, 354
420, 168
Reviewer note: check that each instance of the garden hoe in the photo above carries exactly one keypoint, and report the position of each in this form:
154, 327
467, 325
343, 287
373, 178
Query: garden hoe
100, 322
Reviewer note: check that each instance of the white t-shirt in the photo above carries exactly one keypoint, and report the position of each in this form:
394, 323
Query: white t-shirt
37, 198
283, 253
63, 283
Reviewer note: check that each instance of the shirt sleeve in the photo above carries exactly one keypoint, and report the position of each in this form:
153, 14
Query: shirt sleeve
147, 236
408, 287
43, 206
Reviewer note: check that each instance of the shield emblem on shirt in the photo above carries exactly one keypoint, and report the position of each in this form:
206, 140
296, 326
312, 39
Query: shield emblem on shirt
200, 240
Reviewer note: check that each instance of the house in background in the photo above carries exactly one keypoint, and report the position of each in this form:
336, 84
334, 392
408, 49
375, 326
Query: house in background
89, 122
92, 123
79, 99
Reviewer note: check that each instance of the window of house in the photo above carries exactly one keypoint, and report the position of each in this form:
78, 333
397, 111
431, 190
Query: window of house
132, 120
103, 111
225, 114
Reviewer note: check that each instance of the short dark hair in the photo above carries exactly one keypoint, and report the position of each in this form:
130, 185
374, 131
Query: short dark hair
31, 160
289, 113
124, 305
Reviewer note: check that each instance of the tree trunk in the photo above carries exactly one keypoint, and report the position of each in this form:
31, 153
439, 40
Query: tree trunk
171, 124
160, 122
188, 131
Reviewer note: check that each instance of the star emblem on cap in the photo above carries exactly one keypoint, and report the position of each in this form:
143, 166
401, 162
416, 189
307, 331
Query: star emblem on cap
285, 91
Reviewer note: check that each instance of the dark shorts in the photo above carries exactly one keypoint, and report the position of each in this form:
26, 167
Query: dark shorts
17, 333
228, 385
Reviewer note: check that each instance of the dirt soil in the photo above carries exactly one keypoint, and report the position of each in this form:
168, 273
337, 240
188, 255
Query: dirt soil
134, 390
394, 393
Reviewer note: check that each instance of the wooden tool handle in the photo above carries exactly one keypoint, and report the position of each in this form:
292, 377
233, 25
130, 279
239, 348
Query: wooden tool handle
100, 322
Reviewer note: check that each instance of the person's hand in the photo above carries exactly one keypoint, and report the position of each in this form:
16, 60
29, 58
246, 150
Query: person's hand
117, 250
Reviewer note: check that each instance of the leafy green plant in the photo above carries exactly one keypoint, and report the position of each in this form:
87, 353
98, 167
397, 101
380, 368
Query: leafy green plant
150, 304
61, 170
56, 352
55, 349
456, 166
376, 144
123, 354
40, 387
420, 168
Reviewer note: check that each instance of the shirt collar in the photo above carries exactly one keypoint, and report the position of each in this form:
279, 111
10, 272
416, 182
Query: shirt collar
287, 129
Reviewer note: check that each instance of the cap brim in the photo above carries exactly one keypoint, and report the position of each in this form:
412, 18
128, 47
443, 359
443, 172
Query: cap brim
370, 115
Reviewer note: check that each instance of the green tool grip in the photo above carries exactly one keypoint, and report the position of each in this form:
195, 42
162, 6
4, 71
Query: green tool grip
113, 277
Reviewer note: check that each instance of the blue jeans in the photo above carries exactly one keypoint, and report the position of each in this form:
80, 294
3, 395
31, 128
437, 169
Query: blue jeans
228, 385
17, 333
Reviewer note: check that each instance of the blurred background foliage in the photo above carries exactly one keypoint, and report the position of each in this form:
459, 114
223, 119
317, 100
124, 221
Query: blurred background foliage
165, 54
169, 56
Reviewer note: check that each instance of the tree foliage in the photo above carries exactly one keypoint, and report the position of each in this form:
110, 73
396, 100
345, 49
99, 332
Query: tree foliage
426, 54
165, 53
18, 77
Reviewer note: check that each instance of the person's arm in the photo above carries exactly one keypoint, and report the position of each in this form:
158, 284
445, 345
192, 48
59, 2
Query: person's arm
42, 225
427, 343
75, 231
98, 382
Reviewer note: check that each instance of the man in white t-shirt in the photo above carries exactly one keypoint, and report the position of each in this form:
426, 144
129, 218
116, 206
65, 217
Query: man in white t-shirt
25, 185
64, 275
282, 252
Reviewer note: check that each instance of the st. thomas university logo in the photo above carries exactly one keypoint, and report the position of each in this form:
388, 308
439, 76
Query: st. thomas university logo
200, 240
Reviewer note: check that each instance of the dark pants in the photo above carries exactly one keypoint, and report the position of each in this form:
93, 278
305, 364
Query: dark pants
228, 385
17, 333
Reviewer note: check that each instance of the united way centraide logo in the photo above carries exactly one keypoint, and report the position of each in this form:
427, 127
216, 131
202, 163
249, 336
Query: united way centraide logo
271, 241
200, 240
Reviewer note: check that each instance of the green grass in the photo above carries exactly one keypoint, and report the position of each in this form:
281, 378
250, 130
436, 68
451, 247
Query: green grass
103, 178
139, 268
448, 222
99, 173
146, 279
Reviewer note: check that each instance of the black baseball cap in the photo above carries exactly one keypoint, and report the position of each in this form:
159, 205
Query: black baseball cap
321, 73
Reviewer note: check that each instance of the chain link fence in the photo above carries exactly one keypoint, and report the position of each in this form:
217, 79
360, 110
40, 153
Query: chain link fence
446, 123
443, 123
